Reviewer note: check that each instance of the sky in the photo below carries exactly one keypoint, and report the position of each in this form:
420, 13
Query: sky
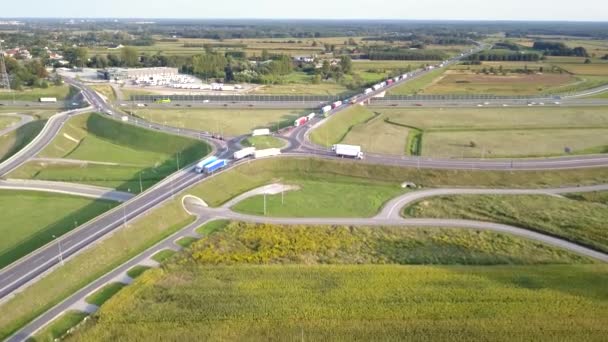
582, 10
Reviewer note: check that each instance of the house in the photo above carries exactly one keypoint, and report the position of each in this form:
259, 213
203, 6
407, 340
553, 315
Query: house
18, 53
304, 59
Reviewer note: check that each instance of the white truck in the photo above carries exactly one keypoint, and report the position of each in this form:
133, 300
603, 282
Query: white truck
352, 151
310, 116
367, 91
246, 152
261, 131
269, 152
48, 99
326, 109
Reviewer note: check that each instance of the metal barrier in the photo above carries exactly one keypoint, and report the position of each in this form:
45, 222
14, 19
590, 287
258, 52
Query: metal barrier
243, 98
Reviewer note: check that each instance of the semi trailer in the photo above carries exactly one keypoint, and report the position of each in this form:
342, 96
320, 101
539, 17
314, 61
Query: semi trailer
269, 152
352, 151
326, 109
200, 167
246, 152
300, 121
216, 165
261, 131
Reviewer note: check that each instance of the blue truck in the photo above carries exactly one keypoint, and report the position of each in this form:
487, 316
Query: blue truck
200, 167
216, 165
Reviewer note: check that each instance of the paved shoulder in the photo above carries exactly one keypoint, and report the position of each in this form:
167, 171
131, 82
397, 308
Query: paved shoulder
82, 190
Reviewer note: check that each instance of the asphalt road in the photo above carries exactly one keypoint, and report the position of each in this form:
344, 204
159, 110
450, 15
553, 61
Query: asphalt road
23, 120
74, 189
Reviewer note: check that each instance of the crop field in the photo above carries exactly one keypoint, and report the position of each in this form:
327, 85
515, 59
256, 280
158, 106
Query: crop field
584, 222
348, 197
113, 154
35, 217
59, 92
230, 122
473, 132
263, 142
227, 185
327, 283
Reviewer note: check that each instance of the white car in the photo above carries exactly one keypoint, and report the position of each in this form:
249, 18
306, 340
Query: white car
205, 101
480, 105
557, 103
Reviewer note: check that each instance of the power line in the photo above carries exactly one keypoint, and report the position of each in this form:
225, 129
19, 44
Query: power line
4, 80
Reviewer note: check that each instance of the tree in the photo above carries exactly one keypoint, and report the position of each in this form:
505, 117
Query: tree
346, 64
76, 56
129, 56
587, 61
265, 55
325, 69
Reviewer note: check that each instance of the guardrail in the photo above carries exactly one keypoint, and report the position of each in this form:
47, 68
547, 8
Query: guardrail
243, 98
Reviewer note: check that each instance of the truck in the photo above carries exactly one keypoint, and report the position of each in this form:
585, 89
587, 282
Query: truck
367, 91
404, 76
390, 81
300, 121
326, 109
216, 165
269, 152
310, 116
336, 104
377, 86
383, 84
246, 152
352, 151
261, 131
48, 99
200, 166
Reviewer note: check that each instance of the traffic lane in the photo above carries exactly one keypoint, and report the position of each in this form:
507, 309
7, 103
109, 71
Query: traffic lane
28, 268
44, 319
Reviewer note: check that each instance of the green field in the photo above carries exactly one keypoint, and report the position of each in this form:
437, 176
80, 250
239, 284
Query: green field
8, 121
345, 197
163, 255
136, 271
418, 85
583, 222
596, 197
106, 90
255, 282
325, 88
34, 217
14, 141
263, 142
104, 294
230, 122
472, 132
114, 155
91, 264
59, 327
59, 92
338, 125
242, 178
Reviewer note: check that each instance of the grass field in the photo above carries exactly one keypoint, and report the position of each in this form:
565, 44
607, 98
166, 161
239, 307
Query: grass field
14, 141
465, 83
59, 92
346, 197
225, 186
104, 294
60, 326
230, 122
583, 222
24, 229
418, 85
91, 264
338, 125
8, 121
163, 255
325, 88
119, 153
262, 142
255, 282
106, 90
595, 197
495, 132
136, 271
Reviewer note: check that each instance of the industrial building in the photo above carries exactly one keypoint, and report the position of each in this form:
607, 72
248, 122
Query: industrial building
124, 74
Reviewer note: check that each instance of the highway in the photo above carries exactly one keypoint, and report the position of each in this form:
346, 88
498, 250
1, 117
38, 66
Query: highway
27, 269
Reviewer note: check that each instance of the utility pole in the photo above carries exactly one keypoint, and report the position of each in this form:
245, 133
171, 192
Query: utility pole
124, 212
5, 82
141, 188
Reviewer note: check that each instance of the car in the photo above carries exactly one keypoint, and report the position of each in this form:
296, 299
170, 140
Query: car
541, 103
480, 105
205, 101
418, 104
557, 102
505, 105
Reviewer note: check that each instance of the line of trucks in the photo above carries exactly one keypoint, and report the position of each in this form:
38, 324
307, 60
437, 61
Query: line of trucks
211, 164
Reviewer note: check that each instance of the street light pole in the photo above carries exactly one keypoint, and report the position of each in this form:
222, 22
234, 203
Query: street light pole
264, 204
60, 251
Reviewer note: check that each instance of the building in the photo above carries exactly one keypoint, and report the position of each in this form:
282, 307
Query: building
304, 59
18, 53
124, 74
